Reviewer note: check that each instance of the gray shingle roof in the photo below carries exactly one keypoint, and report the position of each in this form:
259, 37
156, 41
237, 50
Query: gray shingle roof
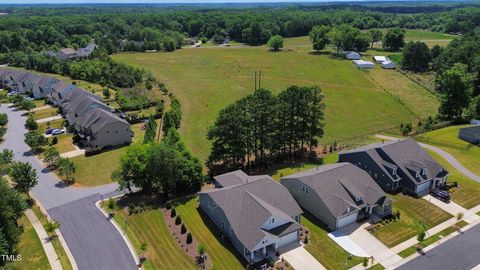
96, 119
408, 155
339, 185
234, 178
248, 206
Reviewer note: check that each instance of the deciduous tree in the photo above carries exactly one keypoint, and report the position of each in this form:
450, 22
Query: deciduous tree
24, 176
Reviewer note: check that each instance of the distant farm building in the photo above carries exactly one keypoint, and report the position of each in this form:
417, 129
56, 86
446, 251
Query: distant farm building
388, 64
470, 134
362, 64
351, 55
380, 58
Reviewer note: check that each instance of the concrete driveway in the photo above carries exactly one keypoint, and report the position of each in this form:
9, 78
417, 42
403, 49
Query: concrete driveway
344, 241
94, 242
369, 244
299, 258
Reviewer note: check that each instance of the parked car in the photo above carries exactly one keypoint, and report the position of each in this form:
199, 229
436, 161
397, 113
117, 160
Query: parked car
58, 131
49, 131
440, 194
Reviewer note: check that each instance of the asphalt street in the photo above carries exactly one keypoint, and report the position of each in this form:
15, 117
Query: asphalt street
93, 241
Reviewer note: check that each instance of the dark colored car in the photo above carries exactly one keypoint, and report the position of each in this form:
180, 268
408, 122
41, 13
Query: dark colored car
440, 194
49, 131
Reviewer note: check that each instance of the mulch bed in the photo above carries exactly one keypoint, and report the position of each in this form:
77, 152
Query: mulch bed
181, 239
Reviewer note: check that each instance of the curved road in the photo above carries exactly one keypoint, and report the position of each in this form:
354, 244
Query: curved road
92, 239
451, 159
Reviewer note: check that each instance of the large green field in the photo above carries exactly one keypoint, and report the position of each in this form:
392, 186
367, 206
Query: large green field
208, 79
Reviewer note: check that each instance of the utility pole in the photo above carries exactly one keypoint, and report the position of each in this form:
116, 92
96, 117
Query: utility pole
260, 79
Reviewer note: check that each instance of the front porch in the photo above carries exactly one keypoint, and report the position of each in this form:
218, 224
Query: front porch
261, 253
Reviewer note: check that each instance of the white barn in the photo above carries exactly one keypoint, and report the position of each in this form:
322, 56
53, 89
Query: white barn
362, 64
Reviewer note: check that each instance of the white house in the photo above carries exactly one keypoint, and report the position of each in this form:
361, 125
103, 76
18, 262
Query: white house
380, 58
362, 64
388, 64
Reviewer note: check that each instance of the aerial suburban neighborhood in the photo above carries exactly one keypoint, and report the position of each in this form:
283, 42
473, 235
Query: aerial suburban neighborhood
227, 135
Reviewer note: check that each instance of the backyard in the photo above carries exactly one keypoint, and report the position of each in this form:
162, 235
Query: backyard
208, 79
416, 215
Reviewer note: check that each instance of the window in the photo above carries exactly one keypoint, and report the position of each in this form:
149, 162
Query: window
272, 221
394, 172
375, 175
424, 171
417, 175
223, 225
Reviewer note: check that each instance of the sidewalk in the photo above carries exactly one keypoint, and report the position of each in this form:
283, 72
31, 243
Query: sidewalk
44, 239
41, 108
453, 209
49, 119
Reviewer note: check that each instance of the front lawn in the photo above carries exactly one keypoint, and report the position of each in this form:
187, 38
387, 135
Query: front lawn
447, 139
324, 249
149, 227
39, 103
65, 142
42, 127
45, 113
432, 239
468, 192
30, 248
223, 255
416, 216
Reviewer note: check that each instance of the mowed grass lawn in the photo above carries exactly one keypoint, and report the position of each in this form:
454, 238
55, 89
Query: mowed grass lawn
44, 113
324, 249
149, 227
468, 192
447, 139
208, 79
97, 169
30, 248
223, 255
65, 142
415, 216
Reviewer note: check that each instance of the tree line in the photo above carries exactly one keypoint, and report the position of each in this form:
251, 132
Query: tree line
261, 126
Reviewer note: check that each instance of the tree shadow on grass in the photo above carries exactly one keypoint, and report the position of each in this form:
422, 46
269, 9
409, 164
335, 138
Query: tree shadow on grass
319, 53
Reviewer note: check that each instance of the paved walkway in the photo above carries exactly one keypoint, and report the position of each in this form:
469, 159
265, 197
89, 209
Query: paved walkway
45, 240
49, 119
344, 241
73, 153
84, 228
451, 159
301, 259
370, 244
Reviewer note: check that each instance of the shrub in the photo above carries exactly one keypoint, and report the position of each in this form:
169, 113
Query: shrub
183, 230
189, 238
111, 204
3, 119
455, 183
305, 241
173, 213
54, 140
178, 220
169, 205
31, 124
421, 236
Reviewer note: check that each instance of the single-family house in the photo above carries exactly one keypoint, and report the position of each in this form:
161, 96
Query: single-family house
470, 134
351, 55
362, 64
86, 51
67, 53
388, 64
398, 164
338, 194
100, 129
258, 216
379, 58
234, 178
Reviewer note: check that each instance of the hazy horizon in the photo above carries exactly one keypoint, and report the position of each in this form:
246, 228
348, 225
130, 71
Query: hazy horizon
194, 1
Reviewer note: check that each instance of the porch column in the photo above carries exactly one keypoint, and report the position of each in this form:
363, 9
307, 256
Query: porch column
264, 250
251, 256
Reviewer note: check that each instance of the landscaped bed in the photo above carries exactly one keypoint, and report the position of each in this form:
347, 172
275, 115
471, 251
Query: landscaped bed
416, 215
149, 227
222, 254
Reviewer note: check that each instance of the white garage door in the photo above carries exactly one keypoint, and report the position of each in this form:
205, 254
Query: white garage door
423, 187
287, 239
343, 221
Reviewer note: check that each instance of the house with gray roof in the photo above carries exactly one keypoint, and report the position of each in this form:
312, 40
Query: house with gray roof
100, 129
27, 83
234, 178
398, 164
338, 194
258, 216
43, 86
80, 105
470, 134
67, 53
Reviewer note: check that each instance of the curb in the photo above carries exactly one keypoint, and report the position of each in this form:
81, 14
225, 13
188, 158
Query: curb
58, 233
124, 236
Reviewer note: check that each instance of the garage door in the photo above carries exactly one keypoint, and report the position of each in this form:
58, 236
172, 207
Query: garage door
287, 239
422, 188
343, 221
